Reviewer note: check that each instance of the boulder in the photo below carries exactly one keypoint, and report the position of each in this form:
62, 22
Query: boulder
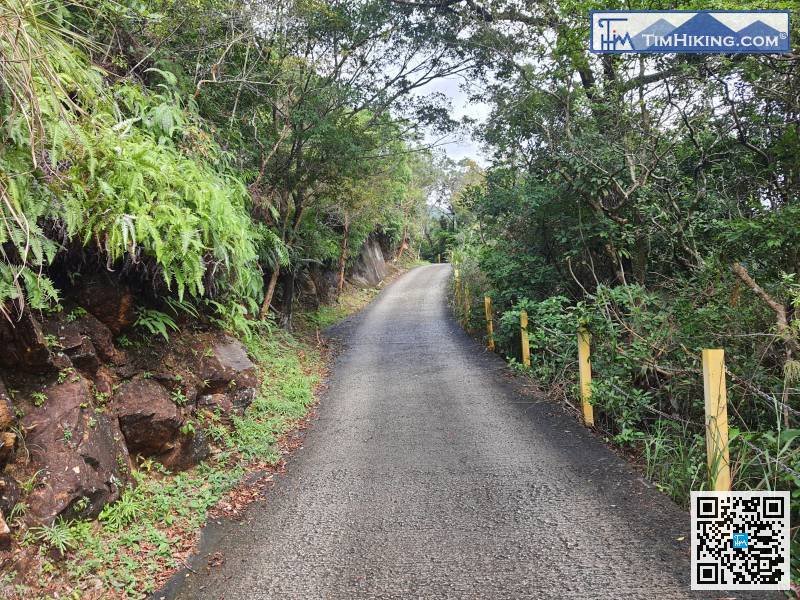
148, 418
108, 300
78, 454
227, 368
101, 338
370, 267
85, 340
151, 423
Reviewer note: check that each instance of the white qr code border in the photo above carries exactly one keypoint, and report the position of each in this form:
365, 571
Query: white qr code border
780, 522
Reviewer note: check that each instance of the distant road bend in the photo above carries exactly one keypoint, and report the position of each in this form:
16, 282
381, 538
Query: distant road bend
427, 475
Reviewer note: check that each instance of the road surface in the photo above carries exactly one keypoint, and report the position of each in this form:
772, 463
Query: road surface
426, 474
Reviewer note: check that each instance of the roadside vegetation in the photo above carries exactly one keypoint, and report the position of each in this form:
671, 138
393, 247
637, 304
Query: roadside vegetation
653, 199
138, 541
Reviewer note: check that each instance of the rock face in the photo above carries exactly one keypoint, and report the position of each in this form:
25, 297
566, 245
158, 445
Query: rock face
6, 408
78, 453
228, 367
9, 494
370, 267
24, 346
148, 418
80, 406
111, 303
151, 423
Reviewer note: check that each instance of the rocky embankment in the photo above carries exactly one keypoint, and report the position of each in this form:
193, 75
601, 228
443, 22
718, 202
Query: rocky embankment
79, 401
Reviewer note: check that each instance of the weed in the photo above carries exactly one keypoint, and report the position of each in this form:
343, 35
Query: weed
155, 322
178, 397
65, 374
59, 535
39, 398
67, 435
76, 313
122, 512
124, 341
52, 342
29, 484
20, 509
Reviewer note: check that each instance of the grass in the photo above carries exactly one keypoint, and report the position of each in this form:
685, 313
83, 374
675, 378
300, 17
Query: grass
349, 303
153, 527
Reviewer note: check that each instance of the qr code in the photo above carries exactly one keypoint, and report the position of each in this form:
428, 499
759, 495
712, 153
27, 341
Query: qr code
740, 540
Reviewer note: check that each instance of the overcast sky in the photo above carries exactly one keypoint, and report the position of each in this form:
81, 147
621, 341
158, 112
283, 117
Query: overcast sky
458, 146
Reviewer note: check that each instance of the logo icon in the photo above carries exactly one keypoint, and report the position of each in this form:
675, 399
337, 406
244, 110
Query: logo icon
740, 540
658, 31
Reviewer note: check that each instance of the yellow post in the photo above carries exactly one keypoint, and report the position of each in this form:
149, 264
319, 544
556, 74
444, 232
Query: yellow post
719, 471
487, 304
585, 372
523, 330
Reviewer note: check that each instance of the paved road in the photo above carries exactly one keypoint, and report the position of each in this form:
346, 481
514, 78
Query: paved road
427, 475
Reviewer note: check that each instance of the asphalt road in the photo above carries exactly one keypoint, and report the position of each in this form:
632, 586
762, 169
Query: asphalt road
427, 474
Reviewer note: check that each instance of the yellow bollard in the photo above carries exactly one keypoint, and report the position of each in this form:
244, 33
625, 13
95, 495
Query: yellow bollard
585, 372
487, 304
716, 396
523, 330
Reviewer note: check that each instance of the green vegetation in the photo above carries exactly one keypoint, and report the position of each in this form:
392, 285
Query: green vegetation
654, 199
217, 170
135, 539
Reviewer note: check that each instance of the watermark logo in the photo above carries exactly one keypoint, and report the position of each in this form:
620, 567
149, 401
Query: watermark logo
740, 540
714, 31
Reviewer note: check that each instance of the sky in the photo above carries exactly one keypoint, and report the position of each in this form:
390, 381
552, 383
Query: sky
459, 145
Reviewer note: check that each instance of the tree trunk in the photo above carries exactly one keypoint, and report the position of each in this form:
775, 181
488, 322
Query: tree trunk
287, 307
403, 244
273, 280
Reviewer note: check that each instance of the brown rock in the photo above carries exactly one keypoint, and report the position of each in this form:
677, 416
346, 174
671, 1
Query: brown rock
7, 417
79, 454
24, 345
151, 423
228, 369
214, 402
148, 418
10, 494
5, 535
109, 301
104, 382
190, 450
101, 338
85, 340
8, 442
